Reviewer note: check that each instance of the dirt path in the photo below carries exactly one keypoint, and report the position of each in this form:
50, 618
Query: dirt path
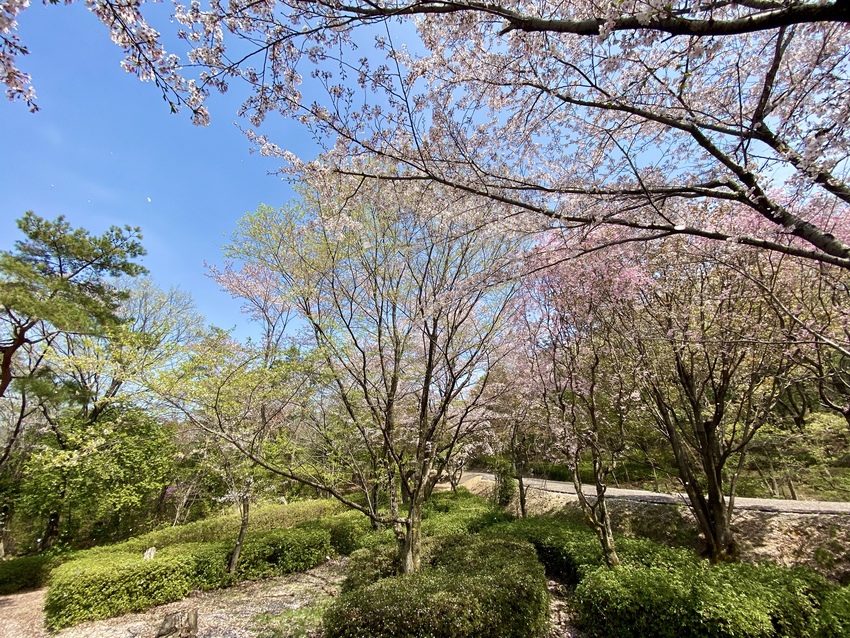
21, 615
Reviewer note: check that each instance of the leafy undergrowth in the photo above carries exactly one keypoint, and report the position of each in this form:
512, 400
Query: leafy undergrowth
483, 575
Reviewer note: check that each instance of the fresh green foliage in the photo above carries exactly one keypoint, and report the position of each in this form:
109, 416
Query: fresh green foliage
453, 513
347, 530
506, 487
208, 563
108, 581
111, 583
99, 471
568, 548
470, 587
26, 572
369, 565
283, 552
835, 614
565, 548
697, 600
211, 530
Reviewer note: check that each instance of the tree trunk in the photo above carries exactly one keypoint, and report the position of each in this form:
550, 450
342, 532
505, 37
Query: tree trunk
596, 514
523, 490
244, 505
51, 533
410, 543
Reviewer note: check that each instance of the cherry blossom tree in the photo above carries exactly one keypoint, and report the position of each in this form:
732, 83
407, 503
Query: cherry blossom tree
714, 362
638, 114
403, 303
572, 328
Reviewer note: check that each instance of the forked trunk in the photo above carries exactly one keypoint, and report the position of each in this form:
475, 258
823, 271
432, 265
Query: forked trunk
596, 513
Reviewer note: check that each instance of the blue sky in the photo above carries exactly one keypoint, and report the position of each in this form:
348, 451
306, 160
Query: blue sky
105, 150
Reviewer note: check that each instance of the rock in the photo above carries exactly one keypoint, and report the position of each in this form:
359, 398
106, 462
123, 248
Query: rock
150, 552
179, 624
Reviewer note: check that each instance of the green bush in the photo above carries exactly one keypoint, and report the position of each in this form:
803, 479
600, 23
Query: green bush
458, 513
368, 566
506, 486
213, 530
568, 548
283, 552
792, 597
209, 562
697, 600
26, 572
551, 471
347, 530
565, 547
471, 587
112, 584
834, 621
107, 583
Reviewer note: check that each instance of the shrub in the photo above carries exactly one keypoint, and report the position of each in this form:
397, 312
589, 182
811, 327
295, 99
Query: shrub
283, 552
834, 621
470, 588
209, 562
347, 530
506, 486
26, 572
111, 584
568, 548
107, 583
213, 530
453, 514
698, 600
565, 548
368, 566
551, 471
792, 597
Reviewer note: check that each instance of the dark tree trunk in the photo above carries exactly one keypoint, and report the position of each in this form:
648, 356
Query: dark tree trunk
244, 505
51, 532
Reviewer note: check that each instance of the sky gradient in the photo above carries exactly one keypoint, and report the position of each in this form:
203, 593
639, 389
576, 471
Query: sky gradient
104, 150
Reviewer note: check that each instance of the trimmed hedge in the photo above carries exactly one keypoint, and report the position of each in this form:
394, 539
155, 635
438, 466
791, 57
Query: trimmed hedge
212, 530
347, 530
699, 600
568, 549
26, 572
113, 584
283, 552
565, 547
471, 587
106, 583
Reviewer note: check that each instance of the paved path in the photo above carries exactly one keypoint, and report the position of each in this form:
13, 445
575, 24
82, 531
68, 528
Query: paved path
645, 496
